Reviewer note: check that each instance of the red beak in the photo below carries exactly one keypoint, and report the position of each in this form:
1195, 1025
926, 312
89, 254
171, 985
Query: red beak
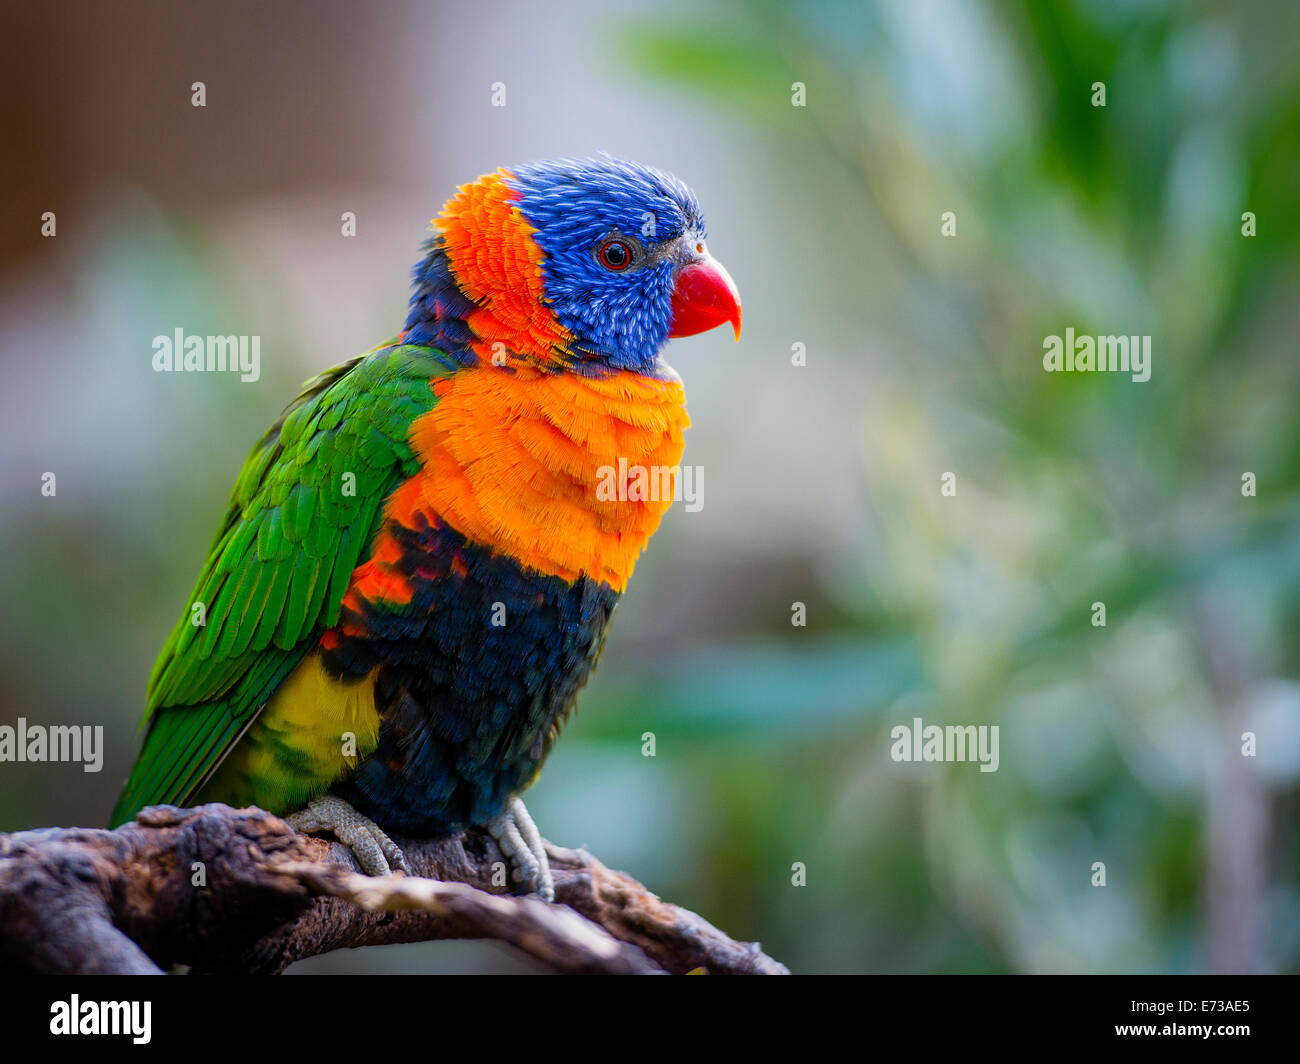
705, 296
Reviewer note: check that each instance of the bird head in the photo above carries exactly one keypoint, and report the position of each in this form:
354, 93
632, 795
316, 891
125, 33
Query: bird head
589, 265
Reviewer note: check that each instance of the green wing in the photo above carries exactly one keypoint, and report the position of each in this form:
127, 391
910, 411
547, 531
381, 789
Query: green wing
303, 513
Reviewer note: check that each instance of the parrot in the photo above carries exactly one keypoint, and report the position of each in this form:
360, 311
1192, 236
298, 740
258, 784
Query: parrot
417, 569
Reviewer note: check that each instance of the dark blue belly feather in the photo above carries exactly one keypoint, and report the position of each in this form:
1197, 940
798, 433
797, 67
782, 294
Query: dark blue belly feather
468, 709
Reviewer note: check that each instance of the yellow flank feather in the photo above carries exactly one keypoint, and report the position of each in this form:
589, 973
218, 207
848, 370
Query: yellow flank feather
312, 732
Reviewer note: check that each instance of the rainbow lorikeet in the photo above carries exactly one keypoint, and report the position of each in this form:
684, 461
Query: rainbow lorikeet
417, 570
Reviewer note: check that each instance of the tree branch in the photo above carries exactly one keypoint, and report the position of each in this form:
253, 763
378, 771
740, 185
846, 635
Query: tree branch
228, 890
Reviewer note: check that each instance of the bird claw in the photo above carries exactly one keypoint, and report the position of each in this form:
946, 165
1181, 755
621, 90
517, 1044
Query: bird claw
521, 842
377, 854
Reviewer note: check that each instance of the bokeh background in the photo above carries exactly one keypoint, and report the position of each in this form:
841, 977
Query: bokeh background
1119, 744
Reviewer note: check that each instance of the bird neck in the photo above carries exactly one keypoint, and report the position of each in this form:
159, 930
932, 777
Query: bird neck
568, 475
468, 307
439, 311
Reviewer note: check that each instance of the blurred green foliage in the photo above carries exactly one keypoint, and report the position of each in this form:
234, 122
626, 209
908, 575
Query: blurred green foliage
1121, 744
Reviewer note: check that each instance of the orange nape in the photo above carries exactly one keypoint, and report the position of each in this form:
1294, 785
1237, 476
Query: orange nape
515, 460
498, 265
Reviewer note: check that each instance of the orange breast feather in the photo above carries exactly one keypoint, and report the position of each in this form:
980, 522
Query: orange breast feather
523, 461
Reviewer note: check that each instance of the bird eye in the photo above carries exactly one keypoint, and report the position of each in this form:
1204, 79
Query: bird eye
615, 255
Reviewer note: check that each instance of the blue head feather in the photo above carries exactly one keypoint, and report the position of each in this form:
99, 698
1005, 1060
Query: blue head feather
620, 319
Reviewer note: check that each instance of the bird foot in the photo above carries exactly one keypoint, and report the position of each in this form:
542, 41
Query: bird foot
521, 843
377, 854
